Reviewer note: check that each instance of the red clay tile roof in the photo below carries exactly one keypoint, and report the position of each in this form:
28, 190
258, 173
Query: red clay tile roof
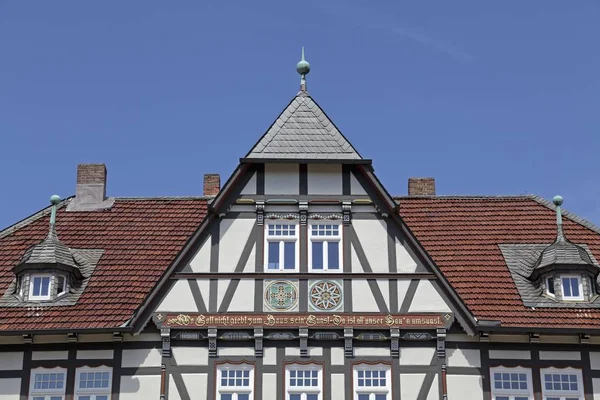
462, 234
141, 238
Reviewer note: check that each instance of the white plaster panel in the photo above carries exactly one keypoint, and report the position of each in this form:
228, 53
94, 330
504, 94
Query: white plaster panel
567, 339
235, 351
372, 351
136, 387
404, 262
416, 355
250, 187
596, 388
560, 355
594, 360
337, 356
251, 263
11, 339
269, 385
95, 354
403, 285
201, 260
50, 355
364, 208
295, 351
11, 360
178, 299
509, 338
410, 385
95, 338
282, 179
337, 385
270, 356
465, 387
461, 337
373, 236
384, 287
362, 297
222, 285
243, 296
356, 267
39, 339
142, 337
190, 355
355, 187
427, 299
10, 388
196, 385
233, 237
510, 355
464, 358
434, 391
141, 358
173, 391
325, 179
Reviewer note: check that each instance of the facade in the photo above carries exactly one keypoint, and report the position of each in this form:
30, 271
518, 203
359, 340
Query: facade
301, 278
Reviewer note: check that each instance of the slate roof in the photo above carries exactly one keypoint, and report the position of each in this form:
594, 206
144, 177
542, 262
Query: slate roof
140, 239
303, 132
50, 251
464, 235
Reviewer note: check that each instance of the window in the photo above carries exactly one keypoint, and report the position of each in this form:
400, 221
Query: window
235, 382
324, 248
550, 286
511, 384
39, 287
93, 383
47, 384
571, 287
281, 249
372, 382
304, 382
562, 384
61, 285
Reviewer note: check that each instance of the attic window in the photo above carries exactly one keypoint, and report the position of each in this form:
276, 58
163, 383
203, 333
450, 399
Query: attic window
39, 287
571, 287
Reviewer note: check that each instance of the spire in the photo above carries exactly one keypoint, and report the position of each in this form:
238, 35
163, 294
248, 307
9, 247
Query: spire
303, 68
558, 200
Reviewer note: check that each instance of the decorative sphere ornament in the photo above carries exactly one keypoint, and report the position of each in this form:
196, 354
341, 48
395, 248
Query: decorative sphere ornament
54, 199
557, 200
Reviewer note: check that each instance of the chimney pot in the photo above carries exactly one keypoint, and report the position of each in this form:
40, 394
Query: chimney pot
212, 184
421, 186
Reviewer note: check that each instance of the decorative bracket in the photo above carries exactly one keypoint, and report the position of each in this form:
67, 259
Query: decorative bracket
395, 342
260, 212
346, 208
303, 206
212, 342
258, 342
441, 343
72, 337
484, 337
303, 333
165, 335
348, 336
28, 338
534, 338
584, 339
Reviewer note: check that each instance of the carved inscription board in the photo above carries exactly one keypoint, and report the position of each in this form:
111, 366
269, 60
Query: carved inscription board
354, 320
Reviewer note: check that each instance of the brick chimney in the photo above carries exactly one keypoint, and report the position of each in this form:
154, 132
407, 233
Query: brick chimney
421, 186
90, 193
212, 184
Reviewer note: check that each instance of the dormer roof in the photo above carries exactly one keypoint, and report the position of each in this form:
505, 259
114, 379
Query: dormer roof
50, 253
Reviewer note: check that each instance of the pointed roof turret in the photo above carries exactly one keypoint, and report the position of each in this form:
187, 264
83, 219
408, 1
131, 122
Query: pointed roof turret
303, 132
51, 252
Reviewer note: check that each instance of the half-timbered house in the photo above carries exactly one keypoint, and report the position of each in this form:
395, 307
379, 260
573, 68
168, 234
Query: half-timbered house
301, 278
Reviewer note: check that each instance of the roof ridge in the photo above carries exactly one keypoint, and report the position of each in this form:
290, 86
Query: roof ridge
483, 196
203, 197
572, 216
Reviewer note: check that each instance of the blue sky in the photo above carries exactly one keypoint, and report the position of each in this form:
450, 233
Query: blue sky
487, 97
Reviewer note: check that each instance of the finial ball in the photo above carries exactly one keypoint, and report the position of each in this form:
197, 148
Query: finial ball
54, 199
303, 67
557, 200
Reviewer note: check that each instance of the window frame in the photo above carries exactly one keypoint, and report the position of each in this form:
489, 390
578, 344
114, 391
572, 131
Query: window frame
47, 394
92, 393
32, 278
63, 289
511, 394
562, 394
553, 293
282, 239
581, 296
325, 239
372, 391
303, 390
234, 390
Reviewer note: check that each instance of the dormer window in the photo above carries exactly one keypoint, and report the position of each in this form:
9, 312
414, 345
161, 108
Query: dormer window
571, 287
550, 287
39, 287
61, 285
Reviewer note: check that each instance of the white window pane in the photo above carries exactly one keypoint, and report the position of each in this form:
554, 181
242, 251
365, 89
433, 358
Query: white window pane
226, 396
101, 397
317, 255
333, 255
289, 249
45, 286
273, 255
243, 396
295, 396
363, 397
37, 282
